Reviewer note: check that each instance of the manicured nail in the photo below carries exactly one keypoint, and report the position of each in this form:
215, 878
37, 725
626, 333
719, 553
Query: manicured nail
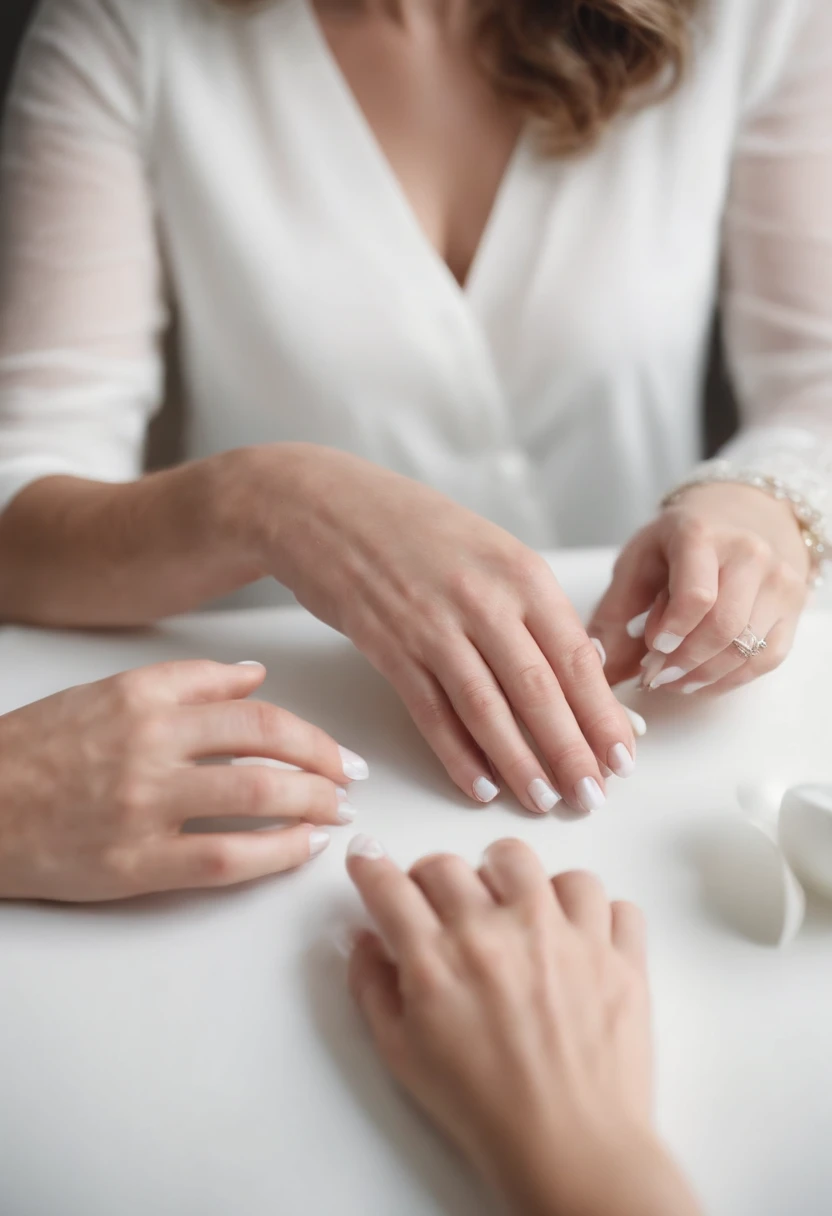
317, 842
344, 940
599, 646
689, 689
669, 676
620, 761
636, 721
365, 846
542, 795
258, 762
346, 813
666, 643
652, 664
250, 663
635, 627
589, 795
485, 790
355, 769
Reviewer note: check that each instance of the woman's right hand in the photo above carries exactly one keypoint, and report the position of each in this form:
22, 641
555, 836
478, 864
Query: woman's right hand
97, 782
515, 1011
467, 623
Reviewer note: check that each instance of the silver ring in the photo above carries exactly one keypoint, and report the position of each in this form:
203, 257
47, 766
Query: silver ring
748, 644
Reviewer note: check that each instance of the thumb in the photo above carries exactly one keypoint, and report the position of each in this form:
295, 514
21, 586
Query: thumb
196, 681
639, 579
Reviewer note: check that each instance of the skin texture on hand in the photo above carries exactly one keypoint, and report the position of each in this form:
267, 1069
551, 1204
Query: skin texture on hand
724, 557
515, 1011
468, 625
97, 782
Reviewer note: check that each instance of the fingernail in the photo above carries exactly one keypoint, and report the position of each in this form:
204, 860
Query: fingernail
258, 762
636, 721
692, 688
355, 769
346, 812
635, 627
666, 643
599, 646
485, 790
344, 940
317, 842
365, 846
669, 676
606, 772
589, 795
652, 664
250, 663
542, 795
620, 761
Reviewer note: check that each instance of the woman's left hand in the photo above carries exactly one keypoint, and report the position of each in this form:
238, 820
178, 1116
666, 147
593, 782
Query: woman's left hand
722, 558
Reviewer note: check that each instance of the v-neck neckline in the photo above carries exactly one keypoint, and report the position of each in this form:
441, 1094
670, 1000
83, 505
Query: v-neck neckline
472, 286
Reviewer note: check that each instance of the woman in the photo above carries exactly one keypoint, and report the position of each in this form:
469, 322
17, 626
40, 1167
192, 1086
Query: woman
96, 784
444, 275
515, 1011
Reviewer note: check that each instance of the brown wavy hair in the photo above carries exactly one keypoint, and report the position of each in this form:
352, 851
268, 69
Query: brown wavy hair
573, 65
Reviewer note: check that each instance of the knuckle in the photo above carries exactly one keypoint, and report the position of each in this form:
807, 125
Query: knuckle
530, 572
580, 662
258, 793
534, 685
440, 869
726, 622
429, 710
132, 795
509, 849
132, 690
469, 589
216, 863
753, 549
266, 722
786, 579
697, 599
484, 952
480, 699
692, 529
572, 758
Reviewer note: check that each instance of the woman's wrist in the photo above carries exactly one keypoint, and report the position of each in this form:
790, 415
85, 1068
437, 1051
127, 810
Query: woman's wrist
620, 1171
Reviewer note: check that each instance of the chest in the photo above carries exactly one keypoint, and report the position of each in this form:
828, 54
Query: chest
445, 133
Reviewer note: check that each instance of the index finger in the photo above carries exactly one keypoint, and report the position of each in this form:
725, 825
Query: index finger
401, 912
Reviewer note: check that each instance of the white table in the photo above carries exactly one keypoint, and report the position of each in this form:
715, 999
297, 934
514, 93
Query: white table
197, 1055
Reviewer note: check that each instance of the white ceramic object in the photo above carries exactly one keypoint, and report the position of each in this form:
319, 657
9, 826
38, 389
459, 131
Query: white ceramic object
805, 835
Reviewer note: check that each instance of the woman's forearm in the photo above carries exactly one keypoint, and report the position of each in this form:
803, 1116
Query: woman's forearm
85, 553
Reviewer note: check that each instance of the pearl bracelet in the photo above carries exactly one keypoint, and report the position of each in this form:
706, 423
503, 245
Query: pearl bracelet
809, 519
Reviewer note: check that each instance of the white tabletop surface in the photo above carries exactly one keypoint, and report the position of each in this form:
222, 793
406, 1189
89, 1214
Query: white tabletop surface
197, 1055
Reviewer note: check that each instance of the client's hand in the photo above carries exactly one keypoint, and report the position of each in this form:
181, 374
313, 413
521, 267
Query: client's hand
515, 1011
96, 783
468, 624
722, 559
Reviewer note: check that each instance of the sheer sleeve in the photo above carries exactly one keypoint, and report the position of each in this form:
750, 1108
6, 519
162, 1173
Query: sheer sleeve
778, 285
80, 293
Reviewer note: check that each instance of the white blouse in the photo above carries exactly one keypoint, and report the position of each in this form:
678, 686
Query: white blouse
162, 151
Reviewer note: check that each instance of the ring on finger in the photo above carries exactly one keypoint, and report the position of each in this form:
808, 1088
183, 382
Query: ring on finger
748, 644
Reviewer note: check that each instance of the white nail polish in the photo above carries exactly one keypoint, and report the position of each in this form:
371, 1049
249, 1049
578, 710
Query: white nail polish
599, 646
355, 769
485, 790
589, 794
317, 842
259, 762
689, 689
366, 847
636, 721
250, 663
667, 643
635, 627
346, 813
669, 676
542, 795
620, 761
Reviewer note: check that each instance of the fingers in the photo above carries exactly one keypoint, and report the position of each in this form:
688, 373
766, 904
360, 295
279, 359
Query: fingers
226, 859
779, 642
640, 576
374, 984
693, 584
398, 907
440, 726
451, 887
584, 902
479, 702
629, 931
191, 682
213, 791
256, 728
512, 871
602, 732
